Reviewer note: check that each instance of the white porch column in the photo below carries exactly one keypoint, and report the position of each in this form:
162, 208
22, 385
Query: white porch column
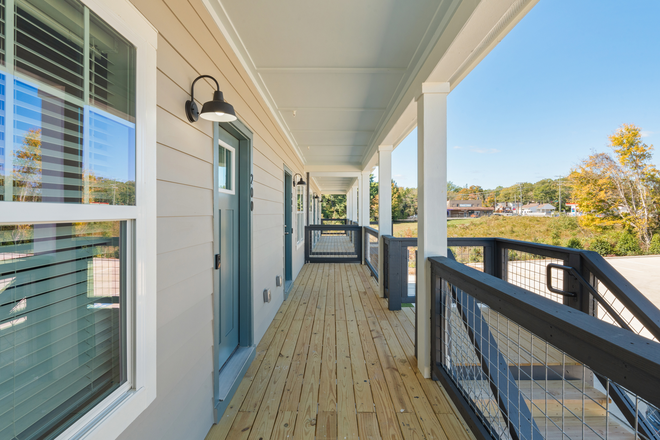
384, 204
365, 205
432, 205
349, 205
354, 202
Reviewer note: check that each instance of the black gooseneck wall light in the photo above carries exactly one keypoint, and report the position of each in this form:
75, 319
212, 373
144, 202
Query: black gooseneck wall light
300, 181
217, 109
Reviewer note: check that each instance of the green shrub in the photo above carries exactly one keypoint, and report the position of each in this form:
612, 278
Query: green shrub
655, 245
627, 245
566, 223
574, 243
555, 238
602, 246
476, 255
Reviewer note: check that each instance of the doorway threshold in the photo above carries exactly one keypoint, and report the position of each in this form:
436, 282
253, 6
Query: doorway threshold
233, 370
288, 285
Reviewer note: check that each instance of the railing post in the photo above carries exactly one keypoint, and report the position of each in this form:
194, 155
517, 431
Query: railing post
358, 243
571, 284
394, 275
503, 261
308, 243
490, 259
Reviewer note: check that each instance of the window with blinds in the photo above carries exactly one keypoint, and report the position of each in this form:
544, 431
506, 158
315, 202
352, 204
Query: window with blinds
67, 97
67, 135
62, 323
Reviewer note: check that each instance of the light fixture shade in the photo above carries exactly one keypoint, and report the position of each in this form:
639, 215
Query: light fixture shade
218, 110
301, 181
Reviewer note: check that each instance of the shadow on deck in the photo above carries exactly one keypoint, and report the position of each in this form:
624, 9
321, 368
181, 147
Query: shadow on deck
335, 363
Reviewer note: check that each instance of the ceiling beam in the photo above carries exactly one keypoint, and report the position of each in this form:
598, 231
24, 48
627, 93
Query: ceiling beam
318, 174
332, 168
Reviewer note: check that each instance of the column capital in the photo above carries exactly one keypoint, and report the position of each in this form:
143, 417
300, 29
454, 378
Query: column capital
429, 88
385, 148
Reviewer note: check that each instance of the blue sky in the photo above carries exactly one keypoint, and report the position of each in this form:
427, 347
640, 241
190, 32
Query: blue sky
567, 76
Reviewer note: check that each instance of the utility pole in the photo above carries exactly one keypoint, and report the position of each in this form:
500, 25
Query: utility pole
521, 198
560, 181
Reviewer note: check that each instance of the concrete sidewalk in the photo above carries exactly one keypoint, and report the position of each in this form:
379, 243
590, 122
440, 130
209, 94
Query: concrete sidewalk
643, 272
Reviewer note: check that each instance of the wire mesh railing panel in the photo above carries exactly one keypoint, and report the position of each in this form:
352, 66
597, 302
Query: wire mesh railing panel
621, 310
528, 271
472, 256
521, 386
371, 248
411, 257
327, 243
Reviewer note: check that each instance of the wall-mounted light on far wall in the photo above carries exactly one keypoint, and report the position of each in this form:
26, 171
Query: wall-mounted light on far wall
217, 110
300, 181
316, 197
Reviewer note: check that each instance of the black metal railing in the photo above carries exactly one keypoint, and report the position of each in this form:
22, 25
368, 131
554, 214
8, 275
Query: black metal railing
580, 279
399, 270
522, 365
370, 248
334, 221
333, 244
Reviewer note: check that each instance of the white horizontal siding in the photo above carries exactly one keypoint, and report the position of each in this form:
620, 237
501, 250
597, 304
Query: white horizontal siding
190, 45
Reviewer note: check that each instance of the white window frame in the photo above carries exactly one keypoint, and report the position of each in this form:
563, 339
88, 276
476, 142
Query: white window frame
231, 191
115, 413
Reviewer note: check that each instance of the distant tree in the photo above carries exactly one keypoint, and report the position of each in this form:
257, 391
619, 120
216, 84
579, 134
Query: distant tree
620, 188
397, 201
473, 192
27, 171
333, 206
373, 198
409, 203
452, 190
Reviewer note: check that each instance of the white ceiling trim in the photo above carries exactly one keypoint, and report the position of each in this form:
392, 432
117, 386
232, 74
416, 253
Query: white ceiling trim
459, 58
358, 70
229, 31
512, 16
419, 59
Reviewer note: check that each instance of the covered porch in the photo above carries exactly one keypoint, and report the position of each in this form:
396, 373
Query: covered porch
336, 363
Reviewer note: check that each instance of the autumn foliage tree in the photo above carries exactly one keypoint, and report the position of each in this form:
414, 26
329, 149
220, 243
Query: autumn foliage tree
27, 172
623, 187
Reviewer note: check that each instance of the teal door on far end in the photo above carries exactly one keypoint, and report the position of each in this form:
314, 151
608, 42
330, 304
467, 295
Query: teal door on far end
227, 260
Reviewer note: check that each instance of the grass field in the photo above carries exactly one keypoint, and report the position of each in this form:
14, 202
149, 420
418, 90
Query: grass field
557, 231
550, 230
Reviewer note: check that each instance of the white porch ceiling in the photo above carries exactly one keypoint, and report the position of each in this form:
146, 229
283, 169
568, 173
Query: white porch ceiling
338, 65
339, 75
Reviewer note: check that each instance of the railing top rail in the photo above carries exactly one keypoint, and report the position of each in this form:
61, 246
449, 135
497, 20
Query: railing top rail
628, 359
407, 241
333, 227
470, 241
370, 230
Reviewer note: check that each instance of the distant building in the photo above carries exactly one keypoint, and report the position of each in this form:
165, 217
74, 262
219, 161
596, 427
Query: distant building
467, 208
574, 210
538, 209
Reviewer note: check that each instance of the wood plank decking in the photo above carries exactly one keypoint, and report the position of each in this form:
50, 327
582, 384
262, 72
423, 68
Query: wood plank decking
335, 363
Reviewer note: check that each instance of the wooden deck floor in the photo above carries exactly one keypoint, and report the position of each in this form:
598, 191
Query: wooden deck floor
335, 363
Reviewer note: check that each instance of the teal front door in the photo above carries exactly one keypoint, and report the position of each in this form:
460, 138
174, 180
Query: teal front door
227, 248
